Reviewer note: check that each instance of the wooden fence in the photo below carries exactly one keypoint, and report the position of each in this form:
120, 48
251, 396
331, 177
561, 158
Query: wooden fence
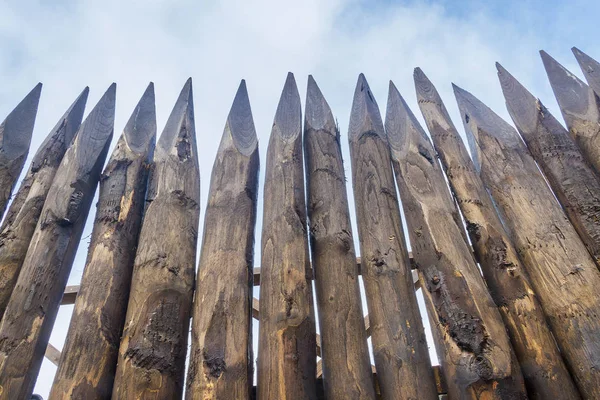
512, 299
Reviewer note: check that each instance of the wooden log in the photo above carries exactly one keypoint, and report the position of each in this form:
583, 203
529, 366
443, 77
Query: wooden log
573, 181
544, 371
399, 346
31, 311
286, 349
346, 365
221, 363
562, 272
476, 355
580, 108
24, 211
151, 361
590, 68
15, 137
89, 356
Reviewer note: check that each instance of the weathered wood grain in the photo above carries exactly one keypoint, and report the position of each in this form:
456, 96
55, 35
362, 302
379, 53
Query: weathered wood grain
151, 361
590, 68
89, 357
26, 208
476, 355
542, 366
580, 108
15, 138
399, 347
346, 365
221, 364
574, 182
286, 349
32, 308
562, 272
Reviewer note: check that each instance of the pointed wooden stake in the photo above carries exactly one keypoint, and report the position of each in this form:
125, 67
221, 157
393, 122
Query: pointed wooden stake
346, 365
287, 344
221, 356
399, 347
24, 212
544, 371
562, 272
154, 342
463, 311
15, 138
32, 308
590, 68
557, 154
89, 357
580, 108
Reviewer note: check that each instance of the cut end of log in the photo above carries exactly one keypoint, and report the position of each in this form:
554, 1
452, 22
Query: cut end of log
241, 123
590, 69
426, 92
16, 130
365, 118
140, 131
571, 92
400, 122
98, 125
180, 131
69, 123
522, 106
318, 115
288, 117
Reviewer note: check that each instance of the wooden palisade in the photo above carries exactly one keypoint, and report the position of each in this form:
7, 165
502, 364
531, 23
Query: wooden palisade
562, 272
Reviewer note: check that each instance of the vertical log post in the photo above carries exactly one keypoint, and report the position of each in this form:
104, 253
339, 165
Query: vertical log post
151, 361
15, 138
562, 272
574, 182
544, 371
580, 108
24, 212
89, 357
31, 311
590, 68
287, 343
476, 355
346, 365
221, 356
399, 346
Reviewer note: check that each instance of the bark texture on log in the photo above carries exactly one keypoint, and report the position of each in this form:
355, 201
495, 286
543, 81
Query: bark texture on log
562, 272
287, 344
26, 208
31, 311
15, 137
221, 363
543, 369
590, 68
346, 365
151, 361
476, 355
399, 346
89, 356
580, 108
574, 182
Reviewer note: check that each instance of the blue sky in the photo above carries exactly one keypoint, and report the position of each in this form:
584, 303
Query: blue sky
68, 45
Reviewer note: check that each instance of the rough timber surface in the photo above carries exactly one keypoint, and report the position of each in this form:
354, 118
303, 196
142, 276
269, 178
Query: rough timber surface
151, 361
399, 346
221, 362
26, 207
476, 355
346, 365
562, 272
31, 311
89, 356
287, 343
590, 68
15, 137
573, 181
542, 366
